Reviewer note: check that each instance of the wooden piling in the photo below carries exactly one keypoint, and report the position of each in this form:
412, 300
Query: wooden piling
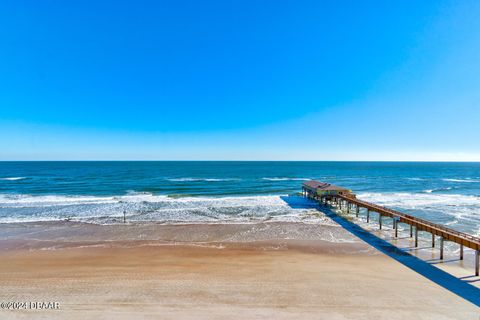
433, 240
368, 215
380, 220
477, 262
411, 231
416, 237
357, 211
461, 252
441, 248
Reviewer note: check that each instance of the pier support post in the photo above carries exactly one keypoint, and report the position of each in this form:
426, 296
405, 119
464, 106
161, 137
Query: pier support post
411, 230
395, 225
416, 237
368, 215
380, 220
348, 207
477, 262
433, 240
461, 252
441, 248
357, 210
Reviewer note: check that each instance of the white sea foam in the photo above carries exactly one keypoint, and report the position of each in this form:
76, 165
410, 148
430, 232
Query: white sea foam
459, 211
461, 180
285, 179
23, 200
187, 179
12, 178
420, 200
438, 189
145, 207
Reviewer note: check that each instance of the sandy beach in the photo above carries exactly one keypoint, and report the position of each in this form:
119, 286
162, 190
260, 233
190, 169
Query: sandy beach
154, 278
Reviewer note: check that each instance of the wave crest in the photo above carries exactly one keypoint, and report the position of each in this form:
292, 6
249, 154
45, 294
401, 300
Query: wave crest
461, 180
201, 179
285, 179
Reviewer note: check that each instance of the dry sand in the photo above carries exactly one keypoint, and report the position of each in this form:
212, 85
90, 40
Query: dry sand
137, 279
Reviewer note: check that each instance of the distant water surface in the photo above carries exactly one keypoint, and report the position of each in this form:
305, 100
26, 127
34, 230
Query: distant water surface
176, 192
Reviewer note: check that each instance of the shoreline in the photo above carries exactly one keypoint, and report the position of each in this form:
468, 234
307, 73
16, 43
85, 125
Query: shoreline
66, 231
333, 235
146, 270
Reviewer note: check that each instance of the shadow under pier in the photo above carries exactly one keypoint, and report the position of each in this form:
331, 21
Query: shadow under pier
459, 286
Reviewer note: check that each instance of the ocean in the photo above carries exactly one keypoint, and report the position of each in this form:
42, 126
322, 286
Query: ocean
230, 192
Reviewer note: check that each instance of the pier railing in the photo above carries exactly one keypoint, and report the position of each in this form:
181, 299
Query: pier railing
449, 234
445, 233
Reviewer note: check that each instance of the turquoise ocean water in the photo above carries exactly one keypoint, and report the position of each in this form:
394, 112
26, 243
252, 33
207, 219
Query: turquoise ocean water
179, 192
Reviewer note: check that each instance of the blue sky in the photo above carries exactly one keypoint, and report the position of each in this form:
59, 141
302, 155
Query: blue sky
247, 80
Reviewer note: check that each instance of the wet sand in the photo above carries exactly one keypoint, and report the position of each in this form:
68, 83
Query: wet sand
166, 272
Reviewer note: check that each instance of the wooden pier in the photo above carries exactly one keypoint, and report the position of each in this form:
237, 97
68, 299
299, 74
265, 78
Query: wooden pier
343, 198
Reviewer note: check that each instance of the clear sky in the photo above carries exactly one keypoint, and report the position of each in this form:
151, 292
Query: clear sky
247, 80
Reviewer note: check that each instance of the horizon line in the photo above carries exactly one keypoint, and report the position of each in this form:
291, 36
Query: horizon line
220, 160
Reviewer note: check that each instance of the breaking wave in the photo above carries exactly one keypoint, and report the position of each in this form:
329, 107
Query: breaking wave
13, 178
461, 180
147, 207
285, 179
437, 190
201, 179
